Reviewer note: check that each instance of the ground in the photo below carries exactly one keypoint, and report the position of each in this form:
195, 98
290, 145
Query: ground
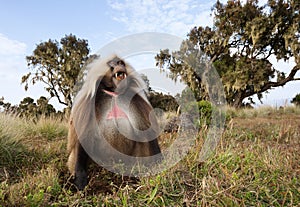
256, 163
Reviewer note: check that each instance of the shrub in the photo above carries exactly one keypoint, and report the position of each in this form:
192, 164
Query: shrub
163, 101
205, 112
201, 111
296, 100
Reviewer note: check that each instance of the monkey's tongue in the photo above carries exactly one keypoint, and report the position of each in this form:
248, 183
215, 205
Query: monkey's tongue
116, 112
111, 93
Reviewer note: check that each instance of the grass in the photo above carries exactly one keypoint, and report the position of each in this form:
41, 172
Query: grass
257, 163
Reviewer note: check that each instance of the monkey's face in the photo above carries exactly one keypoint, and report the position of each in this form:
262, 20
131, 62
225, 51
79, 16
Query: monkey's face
115, 75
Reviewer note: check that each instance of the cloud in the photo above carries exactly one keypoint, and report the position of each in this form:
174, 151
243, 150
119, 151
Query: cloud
171, 16
12, 65
10, 47
12, 57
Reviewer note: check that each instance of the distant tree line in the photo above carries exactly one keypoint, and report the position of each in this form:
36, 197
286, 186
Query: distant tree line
160, 100
163, 101
296, 100
30, 109
243, 38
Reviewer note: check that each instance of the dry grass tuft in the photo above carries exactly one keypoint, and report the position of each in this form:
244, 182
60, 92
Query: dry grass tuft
256, 163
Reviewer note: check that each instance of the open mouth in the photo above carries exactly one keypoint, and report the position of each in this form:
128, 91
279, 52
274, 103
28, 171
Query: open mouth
120, 75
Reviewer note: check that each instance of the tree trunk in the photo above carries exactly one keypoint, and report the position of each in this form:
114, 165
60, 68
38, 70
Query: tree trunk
238, 100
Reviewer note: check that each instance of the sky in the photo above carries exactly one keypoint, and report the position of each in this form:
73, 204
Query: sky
24, 24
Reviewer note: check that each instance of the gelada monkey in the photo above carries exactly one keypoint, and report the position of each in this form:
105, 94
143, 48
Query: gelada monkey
111, 119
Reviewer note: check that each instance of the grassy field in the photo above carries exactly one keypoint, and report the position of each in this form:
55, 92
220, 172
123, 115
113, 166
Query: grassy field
257, 163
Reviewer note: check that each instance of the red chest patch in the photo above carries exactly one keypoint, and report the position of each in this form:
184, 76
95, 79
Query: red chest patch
116, 112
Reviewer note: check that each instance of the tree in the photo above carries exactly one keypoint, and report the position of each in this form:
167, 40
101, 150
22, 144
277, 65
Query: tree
296, 100
30, 109
7, 107
58, 66
163, 101
147, 82
159, 100
27, 108
44, 108
239, 46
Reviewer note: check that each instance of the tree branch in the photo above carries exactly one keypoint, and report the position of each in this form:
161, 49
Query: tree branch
57, 95
52, 86
290, 77
269, 85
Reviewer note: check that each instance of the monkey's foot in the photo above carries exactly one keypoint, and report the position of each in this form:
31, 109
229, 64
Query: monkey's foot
81, 182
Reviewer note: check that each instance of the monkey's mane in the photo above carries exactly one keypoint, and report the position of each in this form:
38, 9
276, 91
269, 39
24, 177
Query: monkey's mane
83, 109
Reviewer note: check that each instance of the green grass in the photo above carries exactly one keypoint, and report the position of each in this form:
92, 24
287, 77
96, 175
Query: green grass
257, 163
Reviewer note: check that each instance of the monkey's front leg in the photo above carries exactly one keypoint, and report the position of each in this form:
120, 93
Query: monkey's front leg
81, 168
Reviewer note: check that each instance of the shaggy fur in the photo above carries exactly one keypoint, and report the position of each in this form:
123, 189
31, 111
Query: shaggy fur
110, 114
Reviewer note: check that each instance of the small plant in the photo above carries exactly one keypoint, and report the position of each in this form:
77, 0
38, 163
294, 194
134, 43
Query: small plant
35, 199
201, 111
205, 112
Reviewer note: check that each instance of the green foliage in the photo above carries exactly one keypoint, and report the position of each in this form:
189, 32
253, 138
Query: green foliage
254, 165
147, 82
163, 101
58, 66
243, 38
7, 107
204, 110
296, 100
31, 110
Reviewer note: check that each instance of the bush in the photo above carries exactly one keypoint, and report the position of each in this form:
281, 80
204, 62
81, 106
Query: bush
205, 112
201, 111
163, 101
296, 100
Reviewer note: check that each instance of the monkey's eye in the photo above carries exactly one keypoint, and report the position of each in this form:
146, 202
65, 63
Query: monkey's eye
120, 75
